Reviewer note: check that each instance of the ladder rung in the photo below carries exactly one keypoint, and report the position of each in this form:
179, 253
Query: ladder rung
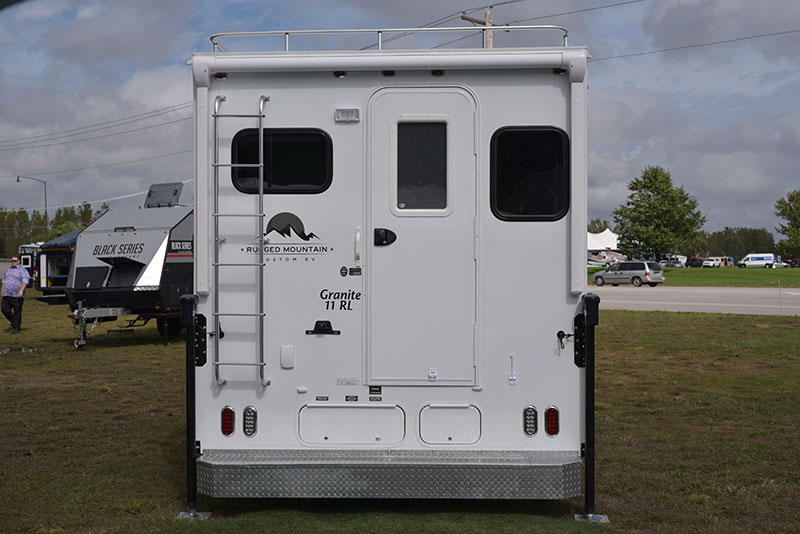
236, 115
238, 264
237, 363
238, 165
240, 314
238, 215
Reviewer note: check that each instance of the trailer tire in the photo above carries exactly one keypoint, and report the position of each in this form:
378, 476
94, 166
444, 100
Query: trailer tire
599, 282
171, 324
636, 281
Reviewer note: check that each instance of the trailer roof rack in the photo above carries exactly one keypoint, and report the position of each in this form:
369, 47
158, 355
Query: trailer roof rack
379, 33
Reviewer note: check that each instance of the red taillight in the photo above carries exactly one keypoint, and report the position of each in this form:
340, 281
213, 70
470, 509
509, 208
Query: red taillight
551, 421
228, 417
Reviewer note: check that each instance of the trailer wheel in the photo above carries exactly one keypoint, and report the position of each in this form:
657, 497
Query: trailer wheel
171, 324
599, 282
636, 281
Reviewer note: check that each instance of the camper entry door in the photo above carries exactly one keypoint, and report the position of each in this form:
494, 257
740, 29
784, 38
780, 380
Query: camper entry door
420, 239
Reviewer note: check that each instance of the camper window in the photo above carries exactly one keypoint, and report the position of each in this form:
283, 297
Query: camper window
295, 160
422, 165
529, 173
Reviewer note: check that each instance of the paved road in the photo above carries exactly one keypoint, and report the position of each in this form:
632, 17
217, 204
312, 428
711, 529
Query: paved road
745, 300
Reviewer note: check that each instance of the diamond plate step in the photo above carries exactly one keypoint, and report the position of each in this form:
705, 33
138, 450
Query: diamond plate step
393, 474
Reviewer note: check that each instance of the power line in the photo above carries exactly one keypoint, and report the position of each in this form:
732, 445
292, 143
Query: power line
573, 12
542, 17
446, 18
23, 146
42, 173
121, 197
726, 41
100, 126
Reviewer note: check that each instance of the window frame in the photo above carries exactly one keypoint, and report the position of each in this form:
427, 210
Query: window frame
566, 178
268, 132
393, 162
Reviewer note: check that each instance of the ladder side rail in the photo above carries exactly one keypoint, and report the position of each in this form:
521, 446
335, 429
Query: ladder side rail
262, 100
215, 166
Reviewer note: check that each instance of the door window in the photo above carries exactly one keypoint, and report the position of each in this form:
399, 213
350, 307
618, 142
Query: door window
421, 165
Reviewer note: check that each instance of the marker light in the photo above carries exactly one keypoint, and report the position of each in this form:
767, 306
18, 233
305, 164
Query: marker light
228, 419
551, 421
530, 420
250, 421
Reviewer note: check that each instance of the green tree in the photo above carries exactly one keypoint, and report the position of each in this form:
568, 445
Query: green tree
598, 225
658, 218
788, 208
738, 242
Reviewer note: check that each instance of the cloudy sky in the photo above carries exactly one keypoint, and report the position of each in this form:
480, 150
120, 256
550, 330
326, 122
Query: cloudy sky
110, 79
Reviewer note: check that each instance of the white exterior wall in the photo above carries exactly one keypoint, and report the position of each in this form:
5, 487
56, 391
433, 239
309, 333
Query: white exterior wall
522, 301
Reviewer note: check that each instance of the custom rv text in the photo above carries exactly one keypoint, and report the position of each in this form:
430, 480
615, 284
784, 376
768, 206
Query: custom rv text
118, 249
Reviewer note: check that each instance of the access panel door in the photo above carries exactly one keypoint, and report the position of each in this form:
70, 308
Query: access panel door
420, 237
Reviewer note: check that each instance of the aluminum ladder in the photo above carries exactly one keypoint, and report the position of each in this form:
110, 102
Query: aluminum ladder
219, 240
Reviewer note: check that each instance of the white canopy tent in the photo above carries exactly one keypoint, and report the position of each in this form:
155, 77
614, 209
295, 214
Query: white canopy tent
605, 240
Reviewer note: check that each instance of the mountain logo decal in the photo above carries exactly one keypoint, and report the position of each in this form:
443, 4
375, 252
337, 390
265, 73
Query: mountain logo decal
287, 224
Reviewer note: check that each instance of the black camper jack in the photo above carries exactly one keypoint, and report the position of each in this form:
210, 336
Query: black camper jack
85, 320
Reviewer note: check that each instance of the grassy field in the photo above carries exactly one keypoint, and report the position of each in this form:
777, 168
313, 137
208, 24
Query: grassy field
696, 427
727, 277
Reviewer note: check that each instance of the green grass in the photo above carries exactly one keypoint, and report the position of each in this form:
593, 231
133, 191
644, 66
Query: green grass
696, 433
727, 277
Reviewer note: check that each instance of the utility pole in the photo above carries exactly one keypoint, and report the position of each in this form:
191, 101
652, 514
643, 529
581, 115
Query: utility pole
487, 35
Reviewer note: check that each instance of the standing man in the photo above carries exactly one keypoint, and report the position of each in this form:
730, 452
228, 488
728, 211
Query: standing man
14, 283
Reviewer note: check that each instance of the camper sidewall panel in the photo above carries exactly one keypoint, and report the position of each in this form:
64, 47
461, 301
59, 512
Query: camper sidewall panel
522, 286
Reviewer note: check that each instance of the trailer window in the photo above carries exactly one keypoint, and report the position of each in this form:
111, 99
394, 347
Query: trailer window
421, 165
296, 161
529, 173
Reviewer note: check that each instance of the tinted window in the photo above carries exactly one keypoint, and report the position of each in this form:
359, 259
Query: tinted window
295, 161
637, 266
654, 266
530, 173
422, 165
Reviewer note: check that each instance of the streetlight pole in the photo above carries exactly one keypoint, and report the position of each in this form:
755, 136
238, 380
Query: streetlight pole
46, 218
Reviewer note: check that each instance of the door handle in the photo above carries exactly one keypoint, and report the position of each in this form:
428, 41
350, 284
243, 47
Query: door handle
384, 237
358, 246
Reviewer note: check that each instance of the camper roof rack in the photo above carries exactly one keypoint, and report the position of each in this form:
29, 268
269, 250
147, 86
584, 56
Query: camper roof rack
379, 33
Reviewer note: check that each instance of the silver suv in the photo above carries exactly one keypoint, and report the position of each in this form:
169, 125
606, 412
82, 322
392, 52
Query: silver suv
630, 272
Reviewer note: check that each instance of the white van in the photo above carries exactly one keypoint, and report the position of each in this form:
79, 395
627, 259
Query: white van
758, 260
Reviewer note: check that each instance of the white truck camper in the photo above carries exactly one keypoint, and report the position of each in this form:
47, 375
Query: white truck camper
370, 318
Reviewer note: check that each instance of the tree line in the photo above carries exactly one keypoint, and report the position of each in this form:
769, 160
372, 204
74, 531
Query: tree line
18, 227
659, 219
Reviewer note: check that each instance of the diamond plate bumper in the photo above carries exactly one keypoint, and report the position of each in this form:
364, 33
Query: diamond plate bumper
389, 474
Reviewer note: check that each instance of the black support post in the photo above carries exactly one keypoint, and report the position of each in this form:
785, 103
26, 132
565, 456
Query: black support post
187, 319
591, 309
591, 304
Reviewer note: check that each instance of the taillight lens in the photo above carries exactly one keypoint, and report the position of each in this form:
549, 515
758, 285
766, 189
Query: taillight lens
228, 420
250, 418
530, 420
551, 421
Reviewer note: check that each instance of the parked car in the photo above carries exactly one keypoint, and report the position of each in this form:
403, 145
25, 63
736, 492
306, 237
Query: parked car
695, 262
630, 272
712, 262
675, 263
779, 264
794, 262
